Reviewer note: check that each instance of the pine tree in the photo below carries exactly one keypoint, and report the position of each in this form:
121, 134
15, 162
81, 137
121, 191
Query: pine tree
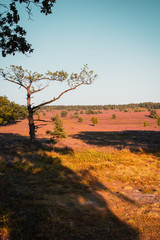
59, 131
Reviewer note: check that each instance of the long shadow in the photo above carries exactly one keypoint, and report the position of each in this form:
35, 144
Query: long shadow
148, 141
42, 199
11, 123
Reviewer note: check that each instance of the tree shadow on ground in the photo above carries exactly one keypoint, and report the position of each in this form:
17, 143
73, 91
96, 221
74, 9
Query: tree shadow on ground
148, 141
42, 199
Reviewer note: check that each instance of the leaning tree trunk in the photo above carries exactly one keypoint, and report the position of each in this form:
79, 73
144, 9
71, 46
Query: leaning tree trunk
31, 125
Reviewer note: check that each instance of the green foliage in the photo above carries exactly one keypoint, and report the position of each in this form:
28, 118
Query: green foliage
13, 36
114, 116
158, 121
38, 116
44, 114
10, 112
81, 112
145, 124
153, 114
138, 110
59, 131
137, 107
63, 113
76, 115
80, 119
94, 120
91, 111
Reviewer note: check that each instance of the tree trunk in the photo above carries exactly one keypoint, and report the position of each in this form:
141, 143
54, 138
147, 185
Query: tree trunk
31, 125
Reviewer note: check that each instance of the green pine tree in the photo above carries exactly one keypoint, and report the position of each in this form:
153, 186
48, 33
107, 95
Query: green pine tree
59, 131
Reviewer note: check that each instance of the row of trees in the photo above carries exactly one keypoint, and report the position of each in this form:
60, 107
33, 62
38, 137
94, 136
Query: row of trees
10, 112
90, 108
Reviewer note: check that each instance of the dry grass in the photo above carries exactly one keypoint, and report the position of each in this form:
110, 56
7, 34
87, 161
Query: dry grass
93, 185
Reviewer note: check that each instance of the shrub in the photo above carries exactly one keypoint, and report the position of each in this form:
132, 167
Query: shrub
91, 111
114, 116
38, 116
158, 121
145, 124
153, 114
94, 120
44, 114
81, 112
138, 110
10, 112
80, 119
76, 115
63, 113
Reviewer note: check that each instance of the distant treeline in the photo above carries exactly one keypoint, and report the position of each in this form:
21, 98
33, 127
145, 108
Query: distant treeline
10, 112
124, 107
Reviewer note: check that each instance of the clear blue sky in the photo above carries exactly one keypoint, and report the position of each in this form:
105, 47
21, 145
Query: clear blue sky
118, 39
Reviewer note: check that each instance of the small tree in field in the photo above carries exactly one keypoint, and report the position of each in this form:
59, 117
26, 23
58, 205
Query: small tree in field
114, 116
145, 124
80, 119
158, 121
94, 120
35, 82
59, 131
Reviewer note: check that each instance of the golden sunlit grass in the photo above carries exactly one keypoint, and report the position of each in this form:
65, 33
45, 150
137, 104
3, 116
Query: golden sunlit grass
70, 194
136, 169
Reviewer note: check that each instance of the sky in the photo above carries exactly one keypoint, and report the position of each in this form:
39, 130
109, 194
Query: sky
118, 39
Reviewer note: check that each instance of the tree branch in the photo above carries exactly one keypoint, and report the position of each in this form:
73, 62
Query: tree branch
39, 90
18, 83
54, 99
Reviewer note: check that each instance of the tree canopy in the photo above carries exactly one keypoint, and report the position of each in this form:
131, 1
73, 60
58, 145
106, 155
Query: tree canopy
10, 112
12, 35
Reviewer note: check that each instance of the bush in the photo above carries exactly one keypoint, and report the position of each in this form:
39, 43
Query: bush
10, 112
158, 121
80, 119
91, 111
44, 114
63, 113
153, 114
145, 124
76, 115
114, 116
94, 120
